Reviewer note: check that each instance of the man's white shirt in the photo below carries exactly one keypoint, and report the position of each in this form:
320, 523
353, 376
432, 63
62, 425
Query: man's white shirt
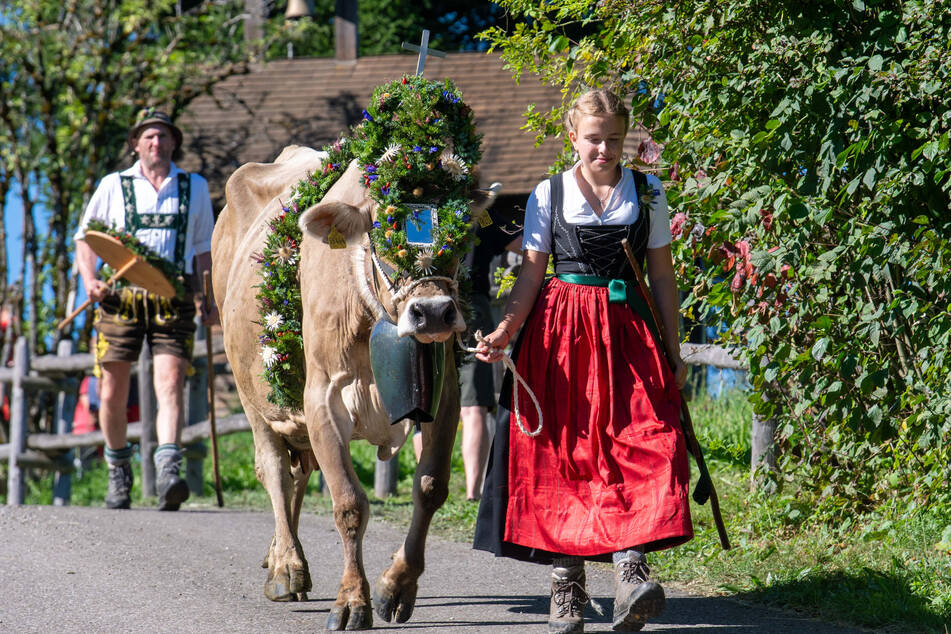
107, 205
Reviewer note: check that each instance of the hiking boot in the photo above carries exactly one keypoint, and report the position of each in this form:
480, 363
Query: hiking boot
568, 596
636, 597
120, 486
172, 490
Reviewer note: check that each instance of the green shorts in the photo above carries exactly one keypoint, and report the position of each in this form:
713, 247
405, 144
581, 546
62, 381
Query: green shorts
132, 314
476, 379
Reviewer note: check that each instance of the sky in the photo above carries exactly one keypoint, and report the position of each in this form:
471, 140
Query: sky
13, 226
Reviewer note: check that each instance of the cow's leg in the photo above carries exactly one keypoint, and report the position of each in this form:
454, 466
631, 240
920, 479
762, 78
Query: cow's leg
288, 576
303, 465
394, 593
330, 435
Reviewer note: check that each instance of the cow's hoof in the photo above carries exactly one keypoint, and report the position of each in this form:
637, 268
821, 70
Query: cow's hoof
343, 618
392, 605
287, 584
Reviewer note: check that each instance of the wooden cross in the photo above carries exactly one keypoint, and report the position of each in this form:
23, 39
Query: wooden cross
423, 50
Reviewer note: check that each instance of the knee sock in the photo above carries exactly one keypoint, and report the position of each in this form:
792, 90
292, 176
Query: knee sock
563, 566
621, 555
118, 456
167, 447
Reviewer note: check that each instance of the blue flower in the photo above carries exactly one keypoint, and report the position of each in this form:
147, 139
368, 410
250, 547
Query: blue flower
389, 220
376, 224
385, 190
366, 115
372, 177
433, 149
416, 148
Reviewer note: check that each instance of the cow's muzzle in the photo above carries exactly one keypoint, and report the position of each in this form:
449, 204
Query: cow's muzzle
430, 319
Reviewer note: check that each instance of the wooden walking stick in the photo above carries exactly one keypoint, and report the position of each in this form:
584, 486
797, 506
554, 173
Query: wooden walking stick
206, 283
705, 485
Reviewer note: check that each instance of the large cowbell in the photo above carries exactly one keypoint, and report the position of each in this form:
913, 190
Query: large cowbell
408, 374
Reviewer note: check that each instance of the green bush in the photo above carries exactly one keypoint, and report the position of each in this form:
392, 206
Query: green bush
805, 153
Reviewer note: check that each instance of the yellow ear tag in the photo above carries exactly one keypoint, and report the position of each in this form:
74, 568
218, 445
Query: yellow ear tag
485, 219
335, 239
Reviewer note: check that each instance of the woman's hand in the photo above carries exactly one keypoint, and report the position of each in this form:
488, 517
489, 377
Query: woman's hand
492, 346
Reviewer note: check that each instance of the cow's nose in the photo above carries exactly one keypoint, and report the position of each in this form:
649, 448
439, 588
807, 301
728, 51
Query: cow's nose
417, 316
449, 314
431, 315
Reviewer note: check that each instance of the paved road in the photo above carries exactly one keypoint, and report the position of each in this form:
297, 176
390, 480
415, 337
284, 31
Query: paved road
93, 570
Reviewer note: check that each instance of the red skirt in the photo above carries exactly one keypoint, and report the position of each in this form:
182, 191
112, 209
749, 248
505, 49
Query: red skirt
609, 470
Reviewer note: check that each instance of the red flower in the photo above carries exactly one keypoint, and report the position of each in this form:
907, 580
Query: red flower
737, 282
677, 224
648, 151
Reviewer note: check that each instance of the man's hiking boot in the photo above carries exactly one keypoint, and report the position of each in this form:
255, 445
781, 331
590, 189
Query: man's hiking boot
120, 486
636, 597
172, 490
568, 596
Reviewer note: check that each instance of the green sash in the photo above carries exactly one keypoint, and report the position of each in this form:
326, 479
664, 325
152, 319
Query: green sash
619, 292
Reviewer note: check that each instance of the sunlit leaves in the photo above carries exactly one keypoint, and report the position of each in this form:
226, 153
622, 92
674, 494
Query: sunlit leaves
818, 135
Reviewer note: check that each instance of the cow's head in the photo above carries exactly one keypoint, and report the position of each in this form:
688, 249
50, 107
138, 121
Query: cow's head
425, 306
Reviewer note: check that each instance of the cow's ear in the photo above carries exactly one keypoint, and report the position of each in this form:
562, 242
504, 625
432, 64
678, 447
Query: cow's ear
483, 198
324, 216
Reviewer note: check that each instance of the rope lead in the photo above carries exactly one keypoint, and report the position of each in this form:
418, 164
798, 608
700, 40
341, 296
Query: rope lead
507, 361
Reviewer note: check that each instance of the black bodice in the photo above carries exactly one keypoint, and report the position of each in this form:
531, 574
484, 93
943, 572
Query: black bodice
596, 249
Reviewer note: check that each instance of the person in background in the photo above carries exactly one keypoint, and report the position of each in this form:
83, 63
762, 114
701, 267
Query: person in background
169, 211
606, 478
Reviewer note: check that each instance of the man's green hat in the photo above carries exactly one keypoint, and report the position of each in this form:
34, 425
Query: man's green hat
148, 116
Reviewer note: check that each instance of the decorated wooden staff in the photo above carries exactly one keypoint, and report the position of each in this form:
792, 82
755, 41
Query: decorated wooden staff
705, 485
206, 283
128, 265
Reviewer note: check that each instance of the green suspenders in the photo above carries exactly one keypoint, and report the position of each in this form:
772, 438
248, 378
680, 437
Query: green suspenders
177, 221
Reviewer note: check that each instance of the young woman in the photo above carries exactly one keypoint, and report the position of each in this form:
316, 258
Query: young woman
607, 477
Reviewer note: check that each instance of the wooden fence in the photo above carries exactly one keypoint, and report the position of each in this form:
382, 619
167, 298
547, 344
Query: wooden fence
57, 374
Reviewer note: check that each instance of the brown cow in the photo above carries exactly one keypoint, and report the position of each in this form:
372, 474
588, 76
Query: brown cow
341, 402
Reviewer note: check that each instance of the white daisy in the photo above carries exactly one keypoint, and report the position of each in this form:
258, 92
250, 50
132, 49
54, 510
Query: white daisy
456, 167
424, 261
389, 153
272, 320
285, 254
268, 356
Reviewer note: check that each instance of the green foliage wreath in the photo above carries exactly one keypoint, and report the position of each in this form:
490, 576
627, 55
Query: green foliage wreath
417, 146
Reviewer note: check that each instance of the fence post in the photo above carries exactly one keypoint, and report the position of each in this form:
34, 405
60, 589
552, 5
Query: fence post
16, 491
65, 406
147, 417
763, 447
385, 476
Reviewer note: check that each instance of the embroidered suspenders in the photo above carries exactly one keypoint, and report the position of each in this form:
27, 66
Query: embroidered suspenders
176, 221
